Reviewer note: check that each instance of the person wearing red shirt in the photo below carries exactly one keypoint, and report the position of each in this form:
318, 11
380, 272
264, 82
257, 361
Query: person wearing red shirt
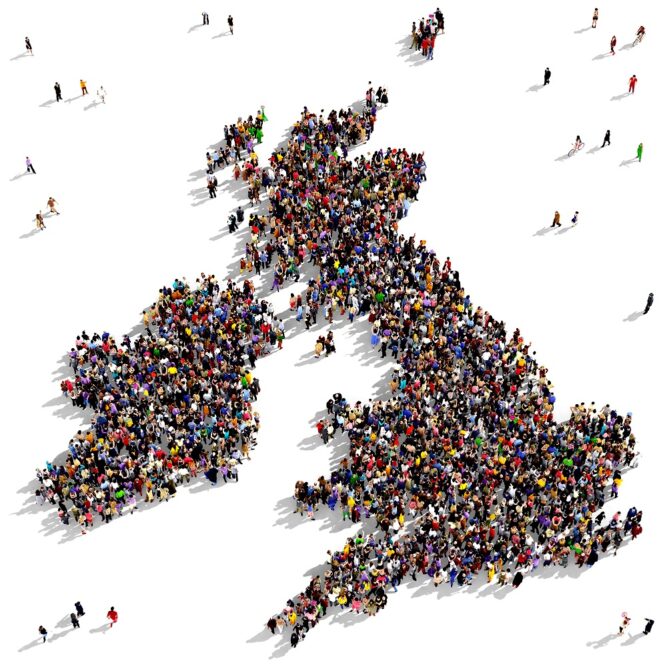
112, 615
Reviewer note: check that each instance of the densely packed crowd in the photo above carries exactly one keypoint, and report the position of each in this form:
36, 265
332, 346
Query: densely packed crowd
424, 33
465, 468
174, 402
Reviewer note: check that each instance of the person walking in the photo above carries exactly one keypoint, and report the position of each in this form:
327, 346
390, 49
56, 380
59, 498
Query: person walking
625, 621
607, 139
75, 620
649, 303
595, 18
640, 151
547, 76
51, 203
84, 89
43, 632
112, 615
28, 46
230, 23
649, 625
575, 218
612, 44
204, 17
632, 84
39, 221
101, 94
59, 95
79, 609
29, 165
556, 222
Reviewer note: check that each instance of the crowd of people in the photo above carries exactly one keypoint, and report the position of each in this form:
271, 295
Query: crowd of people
240, 137
168, 405
465, 469
424, 33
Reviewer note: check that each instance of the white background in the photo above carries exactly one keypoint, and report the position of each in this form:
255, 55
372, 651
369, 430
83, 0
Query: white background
197, 578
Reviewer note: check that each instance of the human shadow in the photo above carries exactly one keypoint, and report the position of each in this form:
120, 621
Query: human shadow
562, 157
632, 639
564, 230
64, 621
73, 99
195, 27
31, 233
32, 644
602, 56
627, 163
46, 104
618, 98
627, 46
583, 30
16, 178
226, 33
594, 150
58, 635
602, 642
20, 55
103, 628
544, 231
92, 105
632, 317
535, 88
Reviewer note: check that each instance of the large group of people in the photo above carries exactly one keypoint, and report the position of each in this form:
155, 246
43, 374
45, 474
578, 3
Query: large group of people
464, 469
239, 138
172, 403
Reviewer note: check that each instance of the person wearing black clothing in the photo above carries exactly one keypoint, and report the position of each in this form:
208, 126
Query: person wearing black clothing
79, 609
231, 221
75, 620
649, 625
547, 76
239, 214
649, 303
230, 23
43, 632
59, 95
28, 46
294, 639
607, 139
204, 16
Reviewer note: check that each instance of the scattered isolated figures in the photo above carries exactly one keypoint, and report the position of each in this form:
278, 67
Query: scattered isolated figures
112, 615
230, 23
204, 17
649, 303
649, 625
79, 609
556, 220
547, 76
59, 95
28, 46
75, 620
464, 466
596, 15
39, 221
171, 404
29, 165
641, 31
607, 139
43, 633
51, 203
102, 94
625, 621
575, 218
84, 89
632, 84
612, 45
640, 151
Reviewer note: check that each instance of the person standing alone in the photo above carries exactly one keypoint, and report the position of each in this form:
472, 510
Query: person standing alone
28, 46
84, 89
595, 18
204, 17
29, 167
547, 76
632, 84
649, 303
640, 151
59, 95
230, 23
112, 615
556, 222
75, 621
607, 139
43, 632
612, 44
